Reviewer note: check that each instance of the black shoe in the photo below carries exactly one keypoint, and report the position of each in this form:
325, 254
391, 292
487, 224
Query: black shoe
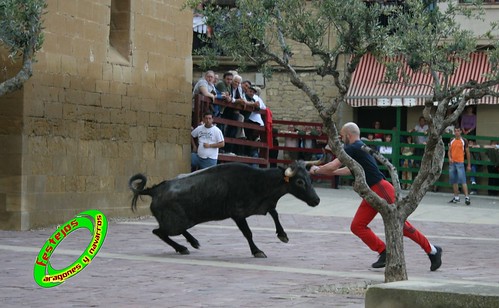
436, 259
467, 200
381, 260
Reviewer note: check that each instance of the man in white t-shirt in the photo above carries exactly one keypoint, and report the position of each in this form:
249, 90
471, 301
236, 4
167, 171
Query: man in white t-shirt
210, 139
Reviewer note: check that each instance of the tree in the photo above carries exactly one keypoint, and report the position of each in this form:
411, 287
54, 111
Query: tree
21, 35
415, 32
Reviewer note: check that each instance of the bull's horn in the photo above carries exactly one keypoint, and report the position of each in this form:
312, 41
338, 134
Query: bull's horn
289, 172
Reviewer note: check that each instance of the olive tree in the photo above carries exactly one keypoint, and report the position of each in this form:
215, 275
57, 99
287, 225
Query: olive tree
265, 32
21, 37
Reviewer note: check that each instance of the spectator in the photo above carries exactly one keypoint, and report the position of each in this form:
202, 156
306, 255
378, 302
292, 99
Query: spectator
475, 156
255, 102
274, 153
378, 135
421, 127
200, 29
245, 85
406, 162
386, 150
210, 139
449, 129
307, 143
370, 137
205, 85
223, 87
493, 154
458, 147
468, 121
236, 97
291, 142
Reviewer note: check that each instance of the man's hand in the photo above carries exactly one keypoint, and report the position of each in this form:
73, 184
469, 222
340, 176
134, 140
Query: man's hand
313, 169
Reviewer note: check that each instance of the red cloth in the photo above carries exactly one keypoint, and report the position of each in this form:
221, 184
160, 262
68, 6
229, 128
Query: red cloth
268, 127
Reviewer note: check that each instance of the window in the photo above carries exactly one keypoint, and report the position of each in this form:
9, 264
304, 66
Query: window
119, 34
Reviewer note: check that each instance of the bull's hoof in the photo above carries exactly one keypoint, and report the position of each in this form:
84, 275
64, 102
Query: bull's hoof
195, 244
184, 252
259, 254
284, 238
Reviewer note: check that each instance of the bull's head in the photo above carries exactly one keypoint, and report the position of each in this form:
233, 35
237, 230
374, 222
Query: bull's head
300, 184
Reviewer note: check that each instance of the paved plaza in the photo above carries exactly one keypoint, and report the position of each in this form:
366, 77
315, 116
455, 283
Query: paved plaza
323, 265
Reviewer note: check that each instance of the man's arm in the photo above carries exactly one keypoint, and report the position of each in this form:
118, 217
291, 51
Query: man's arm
468, 156
220, 144
194, 146
449, 155
205, 92
330, 168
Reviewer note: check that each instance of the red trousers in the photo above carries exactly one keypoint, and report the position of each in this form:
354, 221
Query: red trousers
365, 214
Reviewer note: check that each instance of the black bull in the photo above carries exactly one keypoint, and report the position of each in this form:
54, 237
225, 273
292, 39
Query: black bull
230, 190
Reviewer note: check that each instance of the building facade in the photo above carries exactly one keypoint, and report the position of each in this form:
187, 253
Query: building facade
109, 97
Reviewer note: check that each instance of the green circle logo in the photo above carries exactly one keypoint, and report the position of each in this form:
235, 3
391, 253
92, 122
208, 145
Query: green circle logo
45, 275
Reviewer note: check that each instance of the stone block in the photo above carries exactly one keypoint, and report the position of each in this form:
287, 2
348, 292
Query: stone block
426, 294
149, 151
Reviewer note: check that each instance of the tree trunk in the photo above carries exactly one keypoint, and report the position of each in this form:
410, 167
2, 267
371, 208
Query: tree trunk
395, 266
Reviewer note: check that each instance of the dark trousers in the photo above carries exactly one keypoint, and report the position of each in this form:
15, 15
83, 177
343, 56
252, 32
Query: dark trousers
230, 131
493, 170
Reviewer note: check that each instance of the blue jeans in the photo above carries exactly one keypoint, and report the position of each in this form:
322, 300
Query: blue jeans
201, 163
473, 169
457, 174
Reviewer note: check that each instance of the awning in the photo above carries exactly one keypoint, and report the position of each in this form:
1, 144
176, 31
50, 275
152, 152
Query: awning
367, 89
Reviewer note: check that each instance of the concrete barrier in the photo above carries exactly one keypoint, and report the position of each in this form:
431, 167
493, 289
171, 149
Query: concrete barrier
415, 294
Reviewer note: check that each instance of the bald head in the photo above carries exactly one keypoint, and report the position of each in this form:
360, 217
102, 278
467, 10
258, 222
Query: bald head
352, 128
350, 133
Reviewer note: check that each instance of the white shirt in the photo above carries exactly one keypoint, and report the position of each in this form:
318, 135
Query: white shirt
385, 149
207, 135
199, 24
419, 129
256, 116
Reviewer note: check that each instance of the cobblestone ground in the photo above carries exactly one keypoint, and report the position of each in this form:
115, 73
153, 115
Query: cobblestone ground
323, 265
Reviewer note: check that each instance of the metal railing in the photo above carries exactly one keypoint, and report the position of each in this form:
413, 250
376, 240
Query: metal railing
484, 166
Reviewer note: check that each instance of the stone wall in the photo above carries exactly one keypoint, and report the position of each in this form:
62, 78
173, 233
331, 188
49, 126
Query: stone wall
91, 116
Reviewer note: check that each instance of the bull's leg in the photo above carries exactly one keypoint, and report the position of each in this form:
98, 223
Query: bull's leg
164, 236
243, 226
191, 239
278, 227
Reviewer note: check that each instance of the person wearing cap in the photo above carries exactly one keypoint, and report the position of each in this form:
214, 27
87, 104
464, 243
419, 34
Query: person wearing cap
257, 102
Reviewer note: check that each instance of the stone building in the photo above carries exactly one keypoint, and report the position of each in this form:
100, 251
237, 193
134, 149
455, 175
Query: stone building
110, 96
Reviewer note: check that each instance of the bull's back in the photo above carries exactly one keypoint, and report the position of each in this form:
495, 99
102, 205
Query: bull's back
221, 192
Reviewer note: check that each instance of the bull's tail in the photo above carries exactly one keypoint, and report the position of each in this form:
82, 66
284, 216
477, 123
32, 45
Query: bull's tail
138, 188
